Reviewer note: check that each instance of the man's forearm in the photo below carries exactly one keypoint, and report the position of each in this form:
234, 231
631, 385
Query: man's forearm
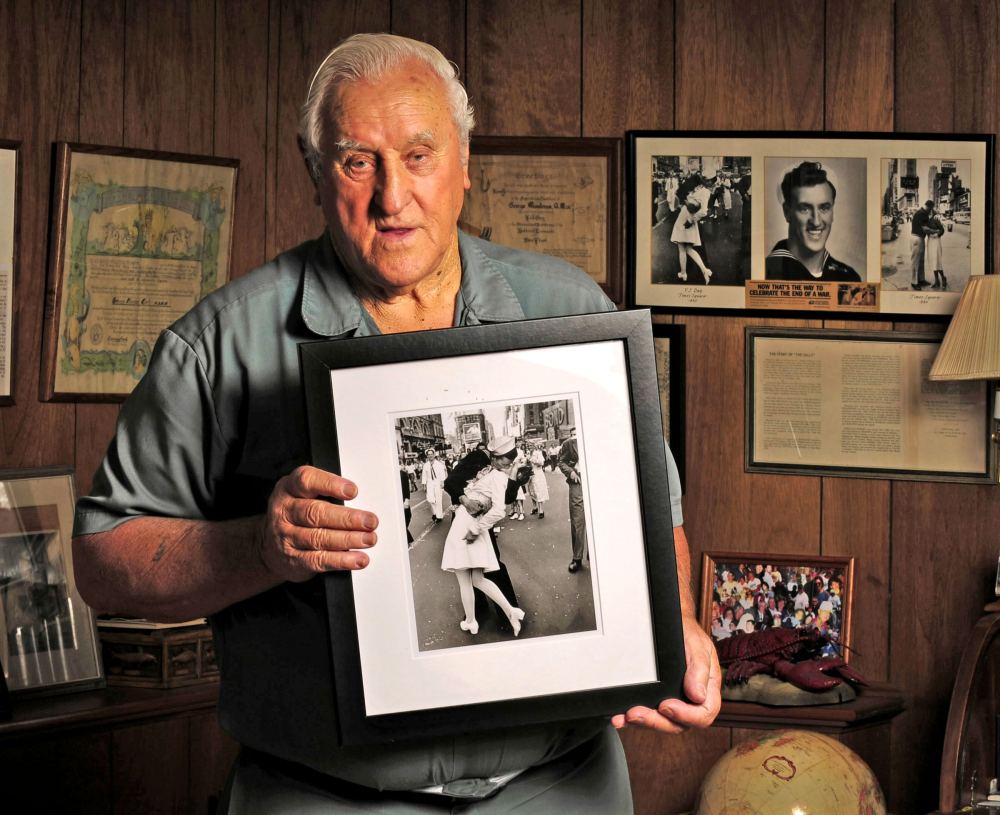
682, 556
171, 569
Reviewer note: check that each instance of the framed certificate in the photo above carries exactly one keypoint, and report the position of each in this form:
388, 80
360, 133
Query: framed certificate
138, 239
556, 196
406, 662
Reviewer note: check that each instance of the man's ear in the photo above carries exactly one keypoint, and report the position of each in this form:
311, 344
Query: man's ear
310, 169
464, 156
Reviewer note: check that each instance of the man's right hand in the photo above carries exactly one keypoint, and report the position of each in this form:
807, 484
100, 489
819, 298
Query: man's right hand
304, 534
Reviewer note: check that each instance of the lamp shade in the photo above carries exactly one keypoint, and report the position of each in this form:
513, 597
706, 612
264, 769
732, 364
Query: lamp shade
971, 347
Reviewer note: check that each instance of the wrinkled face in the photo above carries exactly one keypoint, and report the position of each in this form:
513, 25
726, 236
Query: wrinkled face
809, 212
393, 176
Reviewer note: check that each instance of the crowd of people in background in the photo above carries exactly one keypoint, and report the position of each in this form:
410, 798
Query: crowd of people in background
750, 597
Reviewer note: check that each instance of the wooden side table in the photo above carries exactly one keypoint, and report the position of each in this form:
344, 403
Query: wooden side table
116, 750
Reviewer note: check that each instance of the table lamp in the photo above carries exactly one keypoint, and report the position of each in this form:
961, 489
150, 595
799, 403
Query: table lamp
971, 346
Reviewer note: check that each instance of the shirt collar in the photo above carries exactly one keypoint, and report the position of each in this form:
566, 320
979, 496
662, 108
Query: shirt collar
330, 307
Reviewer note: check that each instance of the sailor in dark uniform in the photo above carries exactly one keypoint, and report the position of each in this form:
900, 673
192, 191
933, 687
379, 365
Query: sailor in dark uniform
808, 198
781, 264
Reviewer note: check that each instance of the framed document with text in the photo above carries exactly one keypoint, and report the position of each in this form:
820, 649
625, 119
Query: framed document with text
9, 185
407, 660
859, 403
556, 196
137, 239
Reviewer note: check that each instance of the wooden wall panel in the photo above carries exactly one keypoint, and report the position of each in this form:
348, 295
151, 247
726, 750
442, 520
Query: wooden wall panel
101, 115
628, 66
154, 783
308, 30
212, 753
523, 67
749, 65
858, 75
439, 22
666, 771
169, 90
725, 508
240, 119
39, 97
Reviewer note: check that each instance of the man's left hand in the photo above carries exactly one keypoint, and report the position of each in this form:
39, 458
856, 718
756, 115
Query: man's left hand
702, 685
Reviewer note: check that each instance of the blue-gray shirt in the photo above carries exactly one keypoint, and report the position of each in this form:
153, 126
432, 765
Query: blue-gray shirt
218, 418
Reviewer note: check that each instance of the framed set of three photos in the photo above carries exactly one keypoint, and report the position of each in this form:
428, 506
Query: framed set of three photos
859, 224
403, 665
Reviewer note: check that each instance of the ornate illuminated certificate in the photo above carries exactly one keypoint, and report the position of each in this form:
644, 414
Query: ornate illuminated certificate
143, 240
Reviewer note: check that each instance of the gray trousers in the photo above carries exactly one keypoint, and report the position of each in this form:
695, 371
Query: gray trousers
577, 520
589, 780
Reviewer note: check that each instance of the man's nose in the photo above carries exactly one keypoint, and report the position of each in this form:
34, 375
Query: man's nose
393, 192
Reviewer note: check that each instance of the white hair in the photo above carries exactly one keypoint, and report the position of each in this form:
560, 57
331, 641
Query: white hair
369, 57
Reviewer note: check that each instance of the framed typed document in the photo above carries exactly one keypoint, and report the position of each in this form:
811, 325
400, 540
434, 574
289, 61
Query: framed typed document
556, 196
138, 239
9, 184
586, 577
859, 403
854, 223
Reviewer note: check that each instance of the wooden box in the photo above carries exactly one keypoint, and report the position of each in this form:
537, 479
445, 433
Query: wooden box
159, 658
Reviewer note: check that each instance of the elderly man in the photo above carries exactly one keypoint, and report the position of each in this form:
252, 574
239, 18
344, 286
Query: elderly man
808, 198
204, 506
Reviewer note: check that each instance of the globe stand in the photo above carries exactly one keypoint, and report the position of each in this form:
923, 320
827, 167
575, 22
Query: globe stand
769, 690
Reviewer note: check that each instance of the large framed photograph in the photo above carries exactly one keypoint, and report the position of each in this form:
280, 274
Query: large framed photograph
49, 639
668, 347
9, 186
854, 223
589, 577
557, 196
137, 239
745, 592
859, 403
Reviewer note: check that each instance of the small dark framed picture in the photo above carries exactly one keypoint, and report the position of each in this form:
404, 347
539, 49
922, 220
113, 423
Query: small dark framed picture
744, 592
49, 638
9, 187
557, 196
668, 346
522, 462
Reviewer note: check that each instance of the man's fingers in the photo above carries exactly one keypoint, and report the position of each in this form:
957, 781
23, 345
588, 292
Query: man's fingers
312, 482
312, 513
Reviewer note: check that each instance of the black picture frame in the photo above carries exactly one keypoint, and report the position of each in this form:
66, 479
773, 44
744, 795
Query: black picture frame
653, 615
882, 179
857, 403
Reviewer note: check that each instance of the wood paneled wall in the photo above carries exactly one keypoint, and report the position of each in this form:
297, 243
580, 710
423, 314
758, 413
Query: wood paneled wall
227, 77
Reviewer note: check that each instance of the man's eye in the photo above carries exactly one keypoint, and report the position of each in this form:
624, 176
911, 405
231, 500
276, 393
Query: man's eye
359, 164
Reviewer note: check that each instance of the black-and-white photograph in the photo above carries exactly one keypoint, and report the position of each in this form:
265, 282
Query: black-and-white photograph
493, 500
701, 220
35, 609
926, 224
814, 219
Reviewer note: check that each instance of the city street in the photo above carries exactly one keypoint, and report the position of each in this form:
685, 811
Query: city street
536, 553
722, 245
897, 271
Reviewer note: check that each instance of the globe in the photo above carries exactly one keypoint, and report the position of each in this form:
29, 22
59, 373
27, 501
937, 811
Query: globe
790, 772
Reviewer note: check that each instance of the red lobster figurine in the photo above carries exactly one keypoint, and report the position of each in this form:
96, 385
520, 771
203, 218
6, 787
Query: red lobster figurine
791, 654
